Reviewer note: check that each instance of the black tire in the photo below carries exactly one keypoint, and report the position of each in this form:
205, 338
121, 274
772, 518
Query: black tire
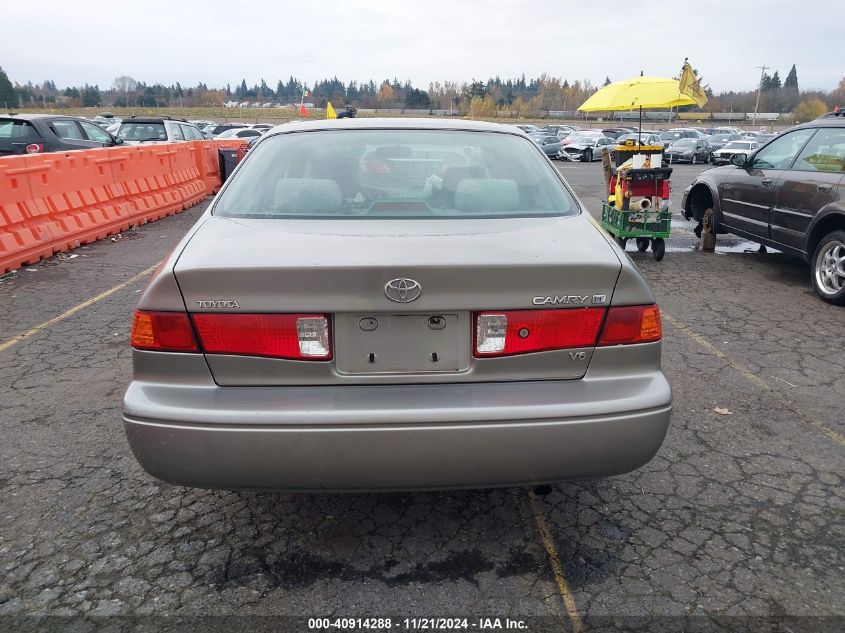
587, 156
694, 160
622, 241
833, 242
658, 248
642, 244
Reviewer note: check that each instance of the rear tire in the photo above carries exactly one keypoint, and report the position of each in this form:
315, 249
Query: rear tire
642, 244
658, 248
828, 268
622, 241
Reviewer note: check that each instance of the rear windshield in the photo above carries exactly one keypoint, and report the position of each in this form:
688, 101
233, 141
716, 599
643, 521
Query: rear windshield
395, 174
137, 131
12, 128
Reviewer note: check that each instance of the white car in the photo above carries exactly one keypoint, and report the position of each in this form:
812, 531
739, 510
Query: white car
246, 133
138, 130
723, 156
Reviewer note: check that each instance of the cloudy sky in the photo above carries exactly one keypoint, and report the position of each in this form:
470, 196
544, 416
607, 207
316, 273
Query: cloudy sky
219, 42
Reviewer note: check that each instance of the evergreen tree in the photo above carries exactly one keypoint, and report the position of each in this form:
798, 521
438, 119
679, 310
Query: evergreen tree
791, 78
8, 95
606, 83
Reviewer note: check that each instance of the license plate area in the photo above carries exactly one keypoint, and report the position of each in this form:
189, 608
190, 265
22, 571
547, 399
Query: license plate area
377, 343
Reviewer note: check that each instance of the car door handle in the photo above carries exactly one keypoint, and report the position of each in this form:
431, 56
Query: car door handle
824, 188
766, 182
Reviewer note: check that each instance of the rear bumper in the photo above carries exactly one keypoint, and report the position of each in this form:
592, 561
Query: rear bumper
386, 437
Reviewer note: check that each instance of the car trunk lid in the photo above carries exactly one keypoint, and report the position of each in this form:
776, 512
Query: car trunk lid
341, 268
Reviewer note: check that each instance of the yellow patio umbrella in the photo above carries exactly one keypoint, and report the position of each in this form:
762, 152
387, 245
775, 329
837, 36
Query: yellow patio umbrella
637, 92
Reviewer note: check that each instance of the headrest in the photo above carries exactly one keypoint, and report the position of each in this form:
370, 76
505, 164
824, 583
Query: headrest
487, 195
307, 195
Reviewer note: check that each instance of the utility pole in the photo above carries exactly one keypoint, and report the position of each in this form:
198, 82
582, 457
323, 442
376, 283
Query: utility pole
759, 88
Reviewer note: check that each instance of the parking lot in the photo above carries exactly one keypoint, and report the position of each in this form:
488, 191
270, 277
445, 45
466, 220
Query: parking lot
739, 521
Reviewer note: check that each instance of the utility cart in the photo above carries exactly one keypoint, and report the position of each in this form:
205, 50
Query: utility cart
637, 204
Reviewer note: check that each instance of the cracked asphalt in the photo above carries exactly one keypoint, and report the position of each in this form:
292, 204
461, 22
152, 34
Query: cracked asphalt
737, 524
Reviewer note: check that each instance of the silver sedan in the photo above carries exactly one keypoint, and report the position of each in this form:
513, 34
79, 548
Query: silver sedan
395, 304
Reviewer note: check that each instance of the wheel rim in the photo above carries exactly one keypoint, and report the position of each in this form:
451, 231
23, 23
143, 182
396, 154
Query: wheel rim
830, 268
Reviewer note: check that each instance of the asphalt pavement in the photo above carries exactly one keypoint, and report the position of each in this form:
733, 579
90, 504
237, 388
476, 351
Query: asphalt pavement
737, 524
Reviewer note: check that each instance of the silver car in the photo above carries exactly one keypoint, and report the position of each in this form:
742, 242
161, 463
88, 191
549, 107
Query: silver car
395, 304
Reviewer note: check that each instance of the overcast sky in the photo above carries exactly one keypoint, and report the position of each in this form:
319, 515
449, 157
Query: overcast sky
219, 42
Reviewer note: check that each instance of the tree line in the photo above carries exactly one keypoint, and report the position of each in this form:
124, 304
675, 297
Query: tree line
481, 98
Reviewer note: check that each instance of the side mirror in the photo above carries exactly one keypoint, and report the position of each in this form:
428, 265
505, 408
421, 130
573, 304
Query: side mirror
118, 140
740, 160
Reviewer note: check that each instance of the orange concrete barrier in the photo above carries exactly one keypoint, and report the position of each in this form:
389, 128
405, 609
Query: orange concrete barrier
208, 160
141, 171
79, 197
25, 228
57, 201
186, 174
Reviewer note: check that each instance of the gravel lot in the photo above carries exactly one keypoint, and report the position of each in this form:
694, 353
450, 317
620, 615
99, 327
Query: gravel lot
737, 524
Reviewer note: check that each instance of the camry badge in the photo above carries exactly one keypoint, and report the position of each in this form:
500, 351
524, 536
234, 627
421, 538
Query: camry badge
402, 290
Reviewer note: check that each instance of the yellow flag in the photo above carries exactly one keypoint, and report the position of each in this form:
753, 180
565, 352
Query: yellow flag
691, 86
330, 113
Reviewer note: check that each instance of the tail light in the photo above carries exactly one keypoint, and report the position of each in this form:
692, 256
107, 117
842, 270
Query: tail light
163, 332
35, 148
523, 331
632, 324
293, 336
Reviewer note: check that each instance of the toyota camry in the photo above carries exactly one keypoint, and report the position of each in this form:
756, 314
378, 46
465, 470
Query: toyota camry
395, 304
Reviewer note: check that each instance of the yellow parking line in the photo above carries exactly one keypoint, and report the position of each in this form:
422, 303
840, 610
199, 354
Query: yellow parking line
554, 560
714, 350
824, 429
64, 315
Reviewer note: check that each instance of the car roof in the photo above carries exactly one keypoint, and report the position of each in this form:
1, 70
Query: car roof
829, 119
152, 120
37, 117
394, 124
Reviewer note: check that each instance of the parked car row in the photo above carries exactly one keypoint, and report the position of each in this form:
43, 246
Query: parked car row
680, 145
38, 133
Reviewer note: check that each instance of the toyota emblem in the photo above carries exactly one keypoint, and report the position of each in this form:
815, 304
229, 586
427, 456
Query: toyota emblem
402, 290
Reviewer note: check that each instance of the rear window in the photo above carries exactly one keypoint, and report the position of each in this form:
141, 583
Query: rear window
395, 174
13, 129
137, 131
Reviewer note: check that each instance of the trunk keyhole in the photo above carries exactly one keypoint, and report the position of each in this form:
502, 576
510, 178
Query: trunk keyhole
371, 358
434, 357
